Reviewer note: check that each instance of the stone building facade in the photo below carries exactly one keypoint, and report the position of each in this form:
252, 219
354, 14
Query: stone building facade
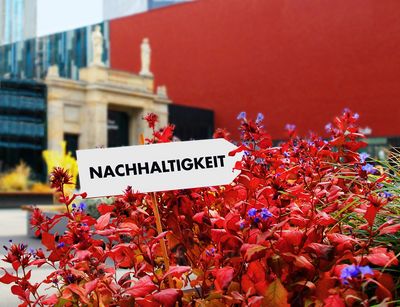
82, 107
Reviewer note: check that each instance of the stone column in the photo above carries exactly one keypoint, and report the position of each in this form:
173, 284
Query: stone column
55, 122
94, 121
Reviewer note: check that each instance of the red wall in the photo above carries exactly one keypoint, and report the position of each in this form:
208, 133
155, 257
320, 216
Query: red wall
297, 62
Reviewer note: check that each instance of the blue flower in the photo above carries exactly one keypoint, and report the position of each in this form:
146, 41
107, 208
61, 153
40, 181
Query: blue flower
242, 115
369, 168
252, 212
352, 271
349, 272
363, 156
365, 270
265, 214
256, 219
60, 245
259, 118
356, 116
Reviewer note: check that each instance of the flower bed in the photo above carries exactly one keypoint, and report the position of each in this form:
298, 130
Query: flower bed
307, 223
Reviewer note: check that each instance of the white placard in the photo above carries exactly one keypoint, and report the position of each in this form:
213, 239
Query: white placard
157, 167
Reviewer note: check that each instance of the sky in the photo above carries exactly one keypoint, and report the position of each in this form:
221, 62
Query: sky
60, 15
55, 15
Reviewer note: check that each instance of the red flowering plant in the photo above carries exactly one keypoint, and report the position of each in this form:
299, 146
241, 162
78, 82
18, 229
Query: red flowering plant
306, 223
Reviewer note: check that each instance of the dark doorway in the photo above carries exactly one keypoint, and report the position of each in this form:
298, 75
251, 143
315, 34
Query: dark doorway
72, 143
191, 123
118, 129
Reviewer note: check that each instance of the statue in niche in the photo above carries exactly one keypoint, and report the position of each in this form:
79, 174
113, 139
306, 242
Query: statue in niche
145, 54
97, 44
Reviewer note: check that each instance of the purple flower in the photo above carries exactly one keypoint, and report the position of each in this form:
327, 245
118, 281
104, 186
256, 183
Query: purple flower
328, 127
369, 168
60, 245
82, 206
363, 156
252, 212
386, 194
210, 252
259, 118
242, 224
242, 115
265, 214
356, 116
290, 127
256, 219
346, 110
353, 271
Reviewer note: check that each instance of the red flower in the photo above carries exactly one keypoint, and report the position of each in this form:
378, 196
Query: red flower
151, 119
59, 177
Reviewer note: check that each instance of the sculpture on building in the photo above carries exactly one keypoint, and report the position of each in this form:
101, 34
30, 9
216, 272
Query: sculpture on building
97, 45
162, 91
145, 58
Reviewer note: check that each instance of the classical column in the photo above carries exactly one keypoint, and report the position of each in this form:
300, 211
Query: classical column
94, 130
55, 122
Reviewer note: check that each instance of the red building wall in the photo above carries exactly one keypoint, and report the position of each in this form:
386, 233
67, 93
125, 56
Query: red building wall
297, 62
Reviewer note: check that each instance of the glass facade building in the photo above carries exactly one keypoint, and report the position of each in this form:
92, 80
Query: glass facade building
23, 114
70, 50
17, 20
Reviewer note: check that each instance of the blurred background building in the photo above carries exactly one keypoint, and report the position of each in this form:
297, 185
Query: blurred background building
298, 62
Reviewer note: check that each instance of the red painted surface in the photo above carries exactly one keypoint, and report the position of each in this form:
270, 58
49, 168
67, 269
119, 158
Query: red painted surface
297, 62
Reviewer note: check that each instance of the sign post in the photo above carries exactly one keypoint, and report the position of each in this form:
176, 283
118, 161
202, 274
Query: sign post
157, 167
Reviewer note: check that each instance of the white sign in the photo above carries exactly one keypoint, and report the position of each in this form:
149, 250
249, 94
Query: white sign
157, 167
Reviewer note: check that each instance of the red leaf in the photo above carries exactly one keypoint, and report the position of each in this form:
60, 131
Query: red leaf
142, 287
91, 285
370, 214
80, 292
302, 262
254, 280
168, 297
104, 209
177, 271
276, 295
103, 221
17, 290
223, 277
253, 252
334, 300
198, 217
390, 229
50, 300
382, 257
132, 227
321, 250
48, 240
7, 278
217, 234
232, 222
255, 301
